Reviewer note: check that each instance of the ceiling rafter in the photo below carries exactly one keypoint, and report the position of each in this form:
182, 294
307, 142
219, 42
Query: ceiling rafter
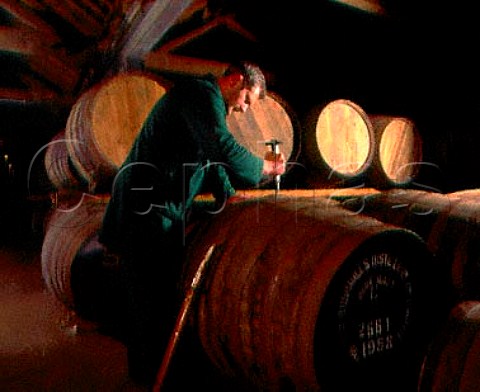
146, 24
52, 64
165, 59
29, 17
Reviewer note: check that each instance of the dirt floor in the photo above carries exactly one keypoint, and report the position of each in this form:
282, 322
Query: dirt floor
42, 346
45, 348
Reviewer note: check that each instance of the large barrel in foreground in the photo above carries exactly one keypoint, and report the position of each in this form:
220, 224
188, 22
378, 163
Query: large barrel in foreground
304, 295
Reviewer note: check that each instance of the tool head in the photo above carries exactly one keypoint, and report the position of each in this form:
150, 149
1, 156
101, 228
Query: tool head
273, 143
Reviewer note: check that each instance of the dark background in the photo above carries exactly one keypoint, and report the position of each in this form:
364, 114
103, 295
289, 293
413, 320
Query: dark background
418, 61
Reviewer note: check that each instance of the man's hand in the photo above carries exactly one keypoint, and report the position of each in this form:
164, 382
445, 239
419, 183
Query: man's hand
273, 164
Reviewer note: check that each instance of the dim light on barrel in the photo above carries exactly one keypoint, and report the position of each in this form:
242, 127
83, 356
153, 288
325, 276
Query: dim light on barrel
106, 119
338, 144
398, 152
58, 165
270, 118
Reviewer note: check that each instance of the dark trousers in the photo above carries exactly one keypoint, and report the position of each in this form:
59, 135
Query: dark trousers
151, 275
97, 287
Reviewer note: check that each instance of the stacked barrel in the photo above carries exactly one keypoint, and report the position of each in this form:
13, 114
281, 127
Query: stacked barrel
338, 145
100, 130
345, 146
450, 225
81, 162
330, 287
68, 232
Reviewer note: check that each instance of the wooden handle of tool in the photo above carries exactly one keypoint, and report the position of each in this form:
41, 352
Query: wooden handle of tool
180, 322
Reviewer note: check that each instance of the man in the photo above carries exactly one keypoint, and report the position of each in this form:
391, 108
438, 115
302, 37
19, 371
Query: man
183, 148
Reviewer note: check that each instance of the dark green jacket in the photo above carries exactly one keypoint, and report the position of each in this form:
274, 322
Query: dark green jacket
183, 148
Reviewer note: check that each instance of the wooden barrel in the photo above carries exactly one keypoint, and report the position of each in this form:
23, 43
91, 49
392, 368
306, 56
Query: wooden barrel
80, 272
331, 194
398, 152
339, 144
58, 165
450, 225
270, 118
467, 195
104, 122
66, 232
302, 295
452, 362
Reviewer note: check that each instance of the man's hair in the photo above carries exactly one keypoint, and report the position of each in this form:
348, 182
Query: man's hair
253, 75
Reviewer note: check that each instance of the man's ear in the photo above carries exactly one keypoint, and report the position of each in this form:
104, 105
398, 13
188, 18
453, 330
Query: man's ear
237, 80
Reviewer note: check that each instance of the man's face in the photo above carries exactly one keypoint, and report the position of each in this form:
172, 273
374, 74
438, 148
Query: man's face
242, 98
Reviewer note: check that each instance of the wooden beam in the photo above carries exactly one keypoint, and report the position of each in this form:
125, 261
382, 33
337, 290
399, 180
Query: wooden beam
147, 26
27, 95
55, 66
224, 20
372, 6
30, 18
15, 39
170, 63
194, 7
164, 58
89, 22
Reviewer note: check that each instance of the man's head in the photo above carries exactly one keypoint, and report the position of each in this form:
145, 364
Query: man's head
242, 85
